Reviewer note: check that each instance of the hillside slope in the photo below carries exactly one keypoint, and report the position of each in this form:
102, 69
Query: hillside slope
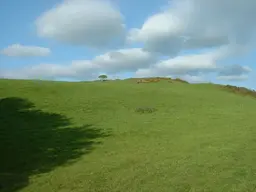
87, 137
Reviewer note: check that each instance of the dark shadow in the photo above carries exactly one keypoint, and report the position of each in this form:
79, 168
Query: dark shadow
33, 142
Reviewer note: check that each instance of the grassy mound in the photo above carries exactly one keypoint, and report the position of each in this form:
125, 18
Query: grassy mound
157, 79
240, 90
106, 137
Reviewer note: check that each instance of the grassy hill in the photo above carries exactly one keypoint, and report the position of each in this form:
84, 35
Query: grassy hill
88, 137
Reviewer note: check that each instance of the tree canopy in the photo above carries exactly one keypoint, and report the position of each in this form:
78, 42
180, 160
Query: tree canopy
103, 77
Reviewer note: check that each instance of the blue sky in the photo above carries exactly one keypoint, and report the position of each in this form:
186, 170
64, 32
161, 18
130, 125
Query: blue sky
74, 40
20, 28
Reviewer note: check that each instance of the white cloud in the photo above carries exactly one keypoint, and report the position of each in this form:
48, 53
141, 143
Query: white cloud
113, 62
128, 60
160, 33
194, 78
18, 50
193, 24
233, 77
234, 70
234, 73
53, 71
196, 65
186, 64
93, 23
226, 28
192, 68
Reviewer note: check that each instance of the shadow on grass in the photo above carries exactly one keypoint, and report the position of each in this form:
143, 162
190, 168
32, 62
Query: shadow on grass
34, 142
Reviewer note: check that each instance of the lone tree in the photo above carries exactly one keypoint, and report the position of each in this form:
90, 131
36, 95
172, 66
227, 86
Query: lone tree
103, 77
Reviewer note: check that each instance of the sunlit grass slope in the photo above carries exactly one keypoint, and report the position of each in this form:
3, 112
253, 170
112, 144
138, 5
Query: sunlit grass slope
87, 137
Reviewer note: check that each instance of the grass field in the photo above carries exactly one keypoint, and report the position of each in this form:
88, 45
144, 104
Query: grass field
87, 137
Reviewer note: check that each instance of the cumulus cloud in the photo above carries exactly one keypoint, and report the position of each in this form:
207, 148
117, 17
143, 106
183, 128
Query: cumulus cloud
18, 50
191, 64
93, 23
191, 67
225, 28
233, 73
124, 60
194, 65
234, 70
160, 33
113, 62
233, 77
194, 78
195, 24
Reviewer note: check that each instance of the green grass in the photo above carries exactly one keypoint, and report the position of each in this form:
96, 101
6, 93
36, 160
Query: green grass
88, 137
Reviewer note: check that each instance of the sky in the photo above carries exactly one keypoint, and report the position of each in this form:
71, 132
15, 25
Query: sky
76, 40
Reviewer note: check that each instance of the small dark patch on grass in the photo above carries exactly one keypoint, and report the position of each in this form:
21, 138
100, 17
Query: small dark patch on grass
145, 110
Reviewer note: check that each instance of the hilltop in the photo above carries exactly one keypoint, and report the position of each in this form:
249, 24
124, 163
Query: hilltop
89, 136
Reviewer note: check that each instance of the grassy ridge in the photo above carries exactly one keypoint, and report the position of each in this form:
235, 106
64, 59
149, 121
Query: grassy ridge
87, 136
